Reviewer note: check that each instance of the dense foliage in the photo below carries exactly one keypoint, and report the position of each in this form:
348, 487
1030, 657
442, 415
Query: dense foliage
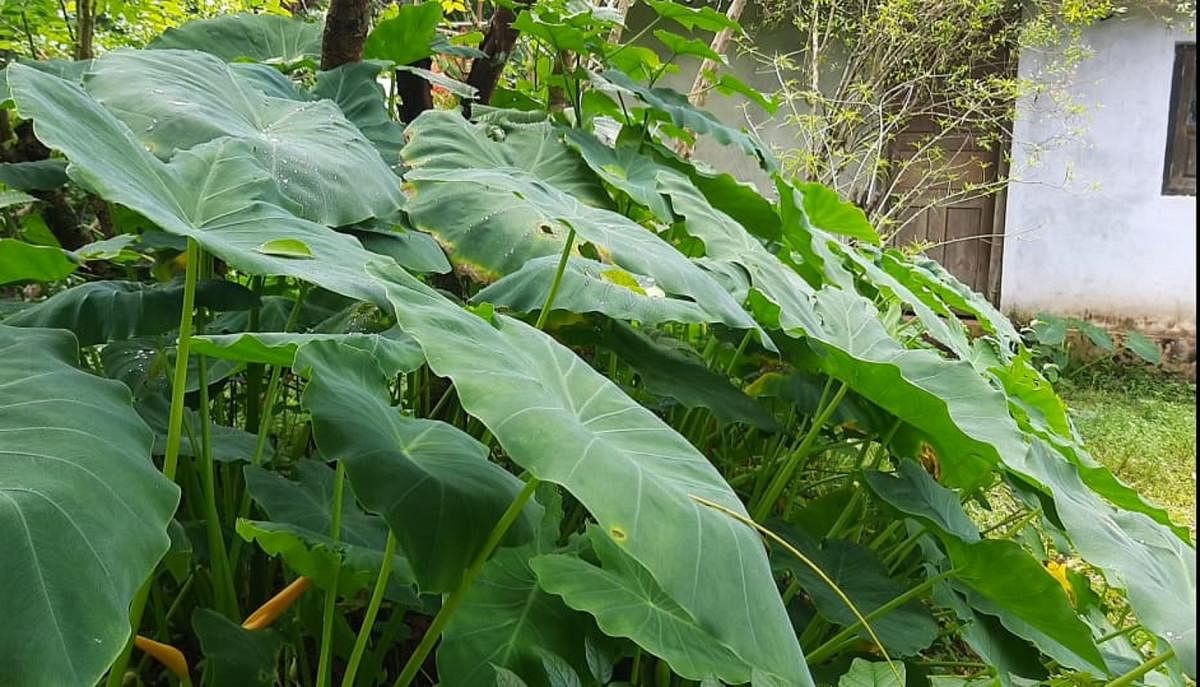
517, 399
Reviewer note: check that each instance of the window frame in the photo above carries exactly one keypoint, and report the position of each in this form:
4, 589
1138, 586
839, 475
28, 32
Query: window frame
1183, 76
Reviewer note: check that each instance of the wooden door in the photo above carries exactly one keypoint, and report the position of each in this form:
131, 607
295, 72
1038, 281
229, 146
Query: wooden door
966, 234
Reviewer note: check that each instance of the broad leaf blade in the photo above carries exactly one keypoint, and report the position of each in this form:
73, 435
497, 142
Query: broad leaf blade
431, 482
567, 424
257, 37
83, 512
627, 602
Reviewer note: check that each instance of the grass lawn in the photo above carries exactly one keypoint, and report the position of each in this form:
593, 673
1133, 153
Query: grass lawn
1142, 425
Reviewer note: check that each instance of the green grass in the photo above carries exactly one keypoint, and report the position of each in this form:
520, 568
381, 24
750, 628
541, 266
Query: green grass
1142, 425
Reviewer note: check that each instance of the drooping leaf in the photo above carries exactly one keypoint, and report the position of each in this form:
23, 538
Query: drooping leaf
431, 482
102, 311
83, 512
627, 602
912, 491
681, 45
686, 115
255, 37
666, 368
494, 220
949, 290
964, 418
519, 382
507, 616
37, 175
1038, 602
590, 286
20, 261
300, 514
234, 655
307, 146
1143, 556
407, 37
216, 193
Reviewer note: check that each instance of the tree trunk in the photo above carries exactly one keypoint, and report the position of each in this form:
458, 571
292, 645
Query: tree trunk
699, 92
416, 94
346, 27
497, 43
85, 28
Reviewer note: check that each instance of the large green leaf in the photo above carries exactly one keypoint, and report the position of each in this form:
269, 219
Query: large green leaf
102, 311
216, 193
625, 168
590, 286
300, 514
826, 210
1144, 557
494, 220
567, 424
963, 417
506, 617
445, 140
725, 241
37, 175
668, 368
355, 88
912, 491
627, 602
234, 655
431, 482
407, 37
686, 115
308, 147
256, 37
1037, 603
862, 577
20, 261
83, 512
393, 350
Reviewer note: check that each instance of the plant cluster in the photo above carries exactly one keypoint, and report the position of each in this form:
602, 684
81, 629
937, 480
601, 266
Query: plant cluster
522, 398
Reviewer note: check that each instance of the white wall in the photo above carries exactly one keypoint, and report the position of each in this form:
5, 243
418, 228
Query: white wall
1088, 230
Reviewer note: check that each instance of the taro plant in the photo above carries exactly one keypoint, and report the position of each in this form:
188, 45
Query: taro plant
517, 399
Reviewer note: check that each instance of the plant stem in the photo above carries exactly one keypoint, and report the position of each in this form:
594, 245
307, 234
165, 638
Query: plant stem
1132, 676
1117, 633
828, 648
116, 673
226, 594
179, 383
784, 475
324, 669
417, 659
558, 274
368, 622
